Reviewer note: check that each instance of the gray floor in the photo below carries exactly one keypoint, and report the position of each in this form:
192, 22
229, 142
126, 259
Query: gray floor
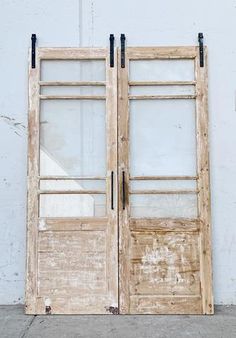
13, 323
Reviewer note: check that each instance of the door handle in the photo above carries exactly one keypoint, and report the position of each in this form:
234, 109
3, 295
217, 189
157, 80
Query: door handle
123, 190
112, 188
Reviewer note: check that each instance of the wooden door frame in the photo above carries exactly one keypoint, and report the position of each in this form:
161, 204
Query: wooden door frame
171, 53
34, 304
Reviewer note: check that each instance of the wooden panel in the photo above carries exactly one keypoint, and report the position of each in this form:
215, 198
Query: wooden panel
72, 53
64, 272
165, 264
142, 53
167, 305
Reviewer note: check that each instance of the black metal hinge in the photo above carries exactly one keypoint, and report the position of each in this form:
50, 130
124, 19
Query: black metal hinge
33, 40
201, 49
112, 50
122, 50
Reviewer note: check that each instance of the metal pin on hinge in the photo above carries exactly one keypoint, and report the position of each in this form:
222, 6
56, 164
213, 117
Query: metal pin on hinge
122, 52
201, 49
112, 50
33, 39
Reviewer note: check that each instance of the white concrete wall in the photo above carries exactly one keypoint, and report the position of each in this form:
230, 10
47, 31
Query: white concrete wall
89, 23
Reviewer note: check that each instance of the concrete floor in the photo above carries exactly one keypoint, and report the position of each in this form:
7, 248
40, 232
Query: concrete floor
13, 323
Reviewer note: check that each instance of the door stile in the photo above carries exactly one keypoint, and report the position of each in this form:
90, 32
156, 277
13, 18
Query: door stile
204, 184
123, 178
112, 205
33, 182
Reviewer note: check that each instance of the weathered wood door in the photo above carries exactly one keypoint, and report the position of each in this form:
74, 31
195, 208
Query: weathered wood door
72, 263
118, 199
164, 207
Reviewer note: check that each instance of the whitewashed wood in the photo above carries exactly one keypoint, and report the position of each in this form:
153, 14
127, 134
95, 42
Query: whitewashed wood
33, 172
164, 262
204, 183
72, 264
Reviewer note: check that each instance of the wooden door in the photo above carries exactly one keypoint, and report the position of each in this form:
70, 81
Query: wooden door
164, 202
72, 263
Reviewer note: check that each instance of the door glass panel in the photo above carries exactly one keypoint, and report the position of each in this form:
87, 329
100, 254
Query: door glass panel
73, 137
163, 185
73, 70
73, 90
73, 184
162, 138
162, 90
72, 205
166, 205
161, 70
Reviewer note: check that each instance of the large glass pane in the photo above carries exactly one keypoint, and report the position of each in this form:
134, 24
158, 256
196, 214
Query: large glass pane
161, 70
73, 138
162, 137
73, 90
166, 205
72, 205
73, 70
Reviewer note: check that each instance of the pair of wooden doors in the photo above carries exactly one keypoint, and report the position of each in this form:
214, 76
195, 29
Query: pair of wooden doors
118, 183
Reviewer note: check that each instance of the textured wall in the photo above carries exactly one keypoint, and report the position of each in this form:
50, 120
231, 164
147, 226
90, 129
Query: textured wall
89, 23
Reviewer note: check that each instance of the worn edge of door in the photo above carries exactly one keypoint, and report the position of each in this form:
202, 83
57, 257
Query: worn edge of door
32, 189
204, 203
112, 228
133, 53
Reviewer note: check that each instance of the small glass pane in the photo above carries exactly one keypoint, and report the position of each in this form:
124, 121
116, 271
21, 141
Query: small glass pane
161, 70
73, 90
73, 138
58, 185
162, 138
166, 205
73, 70
72, 205
162, 90
163, 185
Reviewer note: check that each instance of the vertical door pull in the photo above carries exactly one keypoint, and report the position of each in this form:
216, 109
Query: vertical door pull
122, 50
123, 190
33, 43
112, 186
112, 50
201, 49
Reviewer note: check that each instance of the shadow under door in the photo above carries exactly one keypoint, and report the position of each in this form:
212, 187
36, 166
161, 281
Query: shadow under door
118, 183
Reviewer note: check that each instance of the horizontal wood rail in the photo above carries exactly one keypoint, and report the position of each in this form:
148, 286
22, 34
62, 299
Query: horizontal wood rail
72, 97
161, 97
67, 178
72, 83
162, 83
72, 192
166, 178
163, 192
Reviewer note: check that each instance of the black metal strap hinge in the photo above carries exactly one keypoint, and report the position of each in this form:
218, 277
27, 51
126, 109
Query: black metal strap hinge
33, 40
112, 50
122, 50
201, 49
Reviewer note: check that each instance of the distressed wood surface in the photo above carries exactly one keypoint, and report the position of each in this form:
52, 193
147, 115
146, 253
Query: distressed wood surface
72, 97
165, 262
204, 183
72, 83
32, 203
161, 97
72, 263
123, 166
143, 53
162, 83
72, 53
